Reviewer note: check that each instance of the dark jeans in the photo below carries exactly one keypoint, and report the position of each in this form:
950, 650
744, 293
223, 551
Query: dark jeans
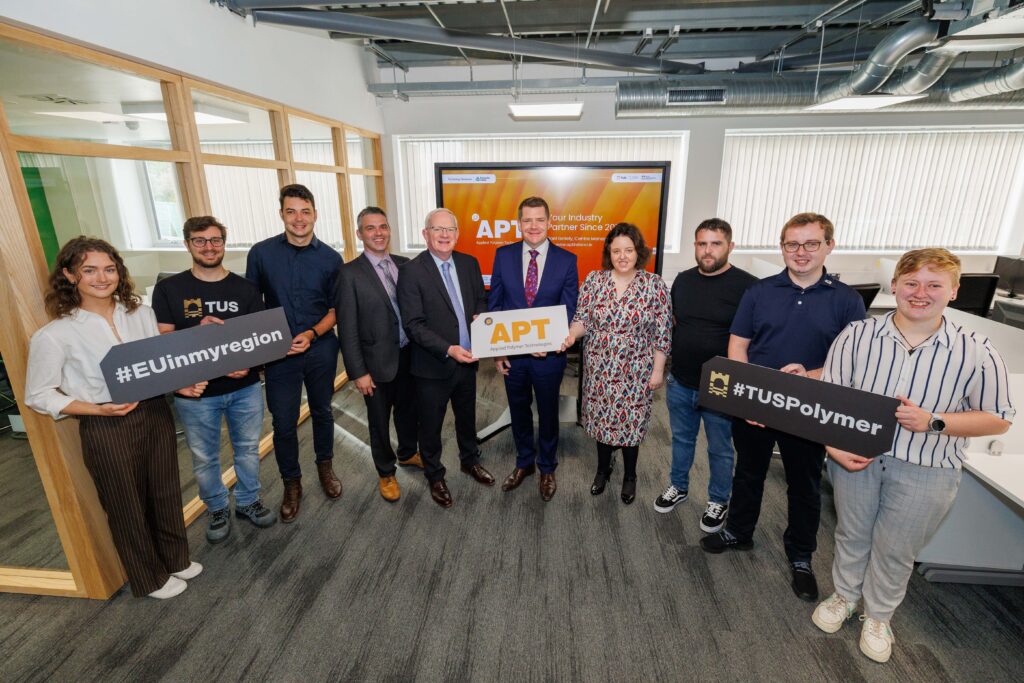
316, 368
802, 460
434, 396
523, 383
396, 395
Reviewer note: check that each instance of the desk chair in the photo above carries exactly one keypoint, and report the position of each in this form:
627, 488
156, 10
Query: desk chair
868, 293
976, 293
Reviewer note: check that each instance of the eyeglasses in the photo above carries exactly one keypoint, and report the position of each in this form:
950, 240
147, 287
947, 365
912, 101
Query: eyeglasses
809, 246
443, 230
200, 242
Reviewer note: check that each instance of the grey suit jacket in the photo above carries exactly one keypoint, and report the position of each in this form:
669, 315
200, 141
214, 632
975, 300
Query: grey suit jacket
367, 324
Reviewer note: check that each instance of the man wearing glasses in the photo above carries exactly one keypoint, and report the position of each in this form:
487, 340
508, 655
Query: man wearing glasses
786, 322
208, 294
440, 292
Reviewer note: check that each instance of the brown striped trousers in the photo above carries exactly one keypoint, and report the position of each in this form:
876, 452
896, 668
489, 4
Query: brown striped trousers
133, 461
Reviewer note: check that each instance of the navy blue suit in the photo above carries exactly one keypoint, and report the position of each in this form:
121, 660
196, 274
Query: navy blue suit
531, 377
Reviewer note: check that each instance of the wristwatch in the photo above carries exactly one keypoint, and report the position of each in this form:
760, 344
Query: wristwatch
936, 424
315, 335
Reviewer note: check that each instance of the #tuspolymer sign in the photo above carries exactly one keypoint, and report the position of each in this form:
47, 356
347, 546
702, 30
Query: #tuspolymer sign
150, 367
850, 419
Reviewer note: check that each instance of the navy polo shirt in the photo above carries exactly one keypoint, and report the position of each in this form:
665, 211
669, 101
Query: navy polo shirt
786, 323
299, 279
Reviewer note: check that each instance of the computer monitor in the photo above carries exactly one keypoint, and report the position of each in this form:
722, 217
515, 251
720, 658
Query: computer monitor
1011, 274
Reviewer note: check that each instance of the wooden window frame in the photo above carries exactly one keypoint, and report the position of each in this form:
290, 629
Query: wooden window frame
94, 570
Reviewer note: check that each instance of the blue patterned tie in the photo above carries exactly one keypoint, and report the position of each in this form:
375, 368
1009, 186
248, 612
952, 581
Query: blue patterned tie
392, 290
460, 312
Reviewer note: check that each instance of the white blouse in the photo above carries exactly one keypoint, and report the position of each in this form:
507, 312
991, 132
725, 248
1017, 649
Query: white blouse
64, 356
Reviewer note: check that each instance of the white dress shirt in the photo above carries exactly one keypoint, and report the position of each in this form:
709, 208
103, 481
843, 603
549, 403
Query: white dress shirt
954, 370
541, 256
64, 356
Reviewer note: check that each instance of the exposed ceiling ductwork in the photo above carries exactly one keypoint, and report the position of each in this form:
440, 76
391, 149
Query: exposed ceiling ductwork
1006, 79
924, 75
398, 30
682, 97
883, 60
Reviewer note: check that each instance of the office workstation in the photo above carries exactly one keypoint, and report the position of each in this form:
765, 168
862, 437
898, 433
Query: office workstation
122, 120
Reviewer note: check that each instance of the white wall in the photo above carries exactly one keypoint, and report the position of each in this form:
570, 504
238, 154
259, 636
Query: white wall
489, 115
305, 70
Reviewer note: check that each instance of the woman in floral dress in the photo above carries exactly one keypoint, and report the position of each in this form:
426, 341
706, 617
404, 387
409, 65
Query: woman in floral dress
626, 315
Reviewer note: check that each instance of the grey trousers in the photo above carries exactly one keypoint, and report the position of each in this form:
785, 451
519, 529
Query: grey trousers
886, 514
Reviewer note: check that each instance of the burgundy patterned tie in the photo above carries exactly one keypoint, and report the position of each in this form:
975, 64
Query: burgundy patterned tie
531, 278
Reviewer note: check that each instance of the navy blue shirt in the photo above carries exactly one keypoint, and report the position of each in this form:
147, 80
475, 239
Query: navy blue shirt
786, 323
299, 279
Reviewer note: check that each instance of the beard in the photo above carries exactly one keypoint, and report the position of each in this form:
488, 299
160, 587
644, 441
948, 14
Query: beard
204, 264
715, 265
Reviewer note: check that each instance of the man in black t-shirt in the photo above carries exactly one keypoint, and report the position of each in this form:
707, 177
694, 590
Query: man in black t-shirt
704, 301
209, 294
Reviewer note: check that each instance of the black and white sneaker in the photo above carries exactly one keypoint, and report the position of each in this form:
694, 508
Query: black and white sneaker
713, 518
257, 513
667, 501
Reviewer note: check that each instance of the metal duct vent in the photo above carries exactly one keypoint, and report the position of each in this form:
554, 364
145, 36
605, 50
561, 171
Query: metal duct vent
681, 97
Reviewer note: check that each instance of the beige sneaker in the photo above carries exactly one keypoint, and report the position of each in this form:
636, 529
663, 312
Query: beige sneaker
174, 586
876, 639
832, 612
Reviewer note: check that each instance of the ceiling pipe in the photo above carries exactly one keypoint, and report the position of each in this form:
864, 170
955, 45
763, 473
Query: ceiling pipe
883, 60
398, 30
924, 75
689, 96
997, 81
803, 61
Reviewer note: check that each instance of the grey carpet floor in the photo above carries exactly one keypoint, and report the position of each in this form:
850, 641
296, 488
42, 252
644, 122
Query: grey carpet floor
500, 587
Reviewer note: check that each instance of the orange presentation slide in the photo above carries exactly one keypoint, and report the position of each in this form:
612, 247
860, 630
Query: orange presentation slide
586, 202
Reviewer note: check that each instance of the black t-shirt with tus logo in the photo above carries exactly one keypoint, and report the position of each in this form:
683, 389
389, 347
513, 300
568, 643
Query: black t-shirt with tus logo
183, 300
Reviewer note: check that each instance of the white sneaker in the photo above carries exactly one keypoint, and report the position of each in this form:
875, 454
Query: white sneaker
832, 612
174, 586
876, 639
193, 570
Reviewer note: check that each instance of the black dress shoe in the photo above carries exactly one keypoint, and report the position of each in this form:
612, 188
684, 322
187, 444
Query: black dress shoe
804, 584
479, 473
600, 479
628, 491
439, 492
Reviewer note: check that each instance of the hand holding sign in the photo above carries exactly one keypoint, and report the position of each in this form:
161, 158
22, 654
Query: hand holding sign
534, 331
844, 418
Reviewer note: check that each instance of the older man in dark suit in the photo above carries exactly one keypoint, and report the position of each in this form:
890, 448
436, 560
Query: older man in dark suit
375, 349
440, 292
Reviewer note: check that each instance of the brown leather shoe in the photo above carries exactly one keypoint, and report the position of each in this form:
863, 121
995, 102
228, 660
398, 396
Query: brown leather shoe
513, 480
547, 486
413, 461
290, 501
389, 490
440, 493
330, 483
479, 473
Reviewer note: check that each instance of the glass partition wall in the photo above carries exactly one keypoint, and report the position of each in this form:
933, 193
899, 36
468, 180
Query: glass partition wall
100, 145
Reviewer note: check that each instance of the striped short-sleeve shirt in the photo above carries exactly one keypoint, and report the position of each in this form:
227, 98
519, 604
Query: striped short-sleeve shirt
954, 370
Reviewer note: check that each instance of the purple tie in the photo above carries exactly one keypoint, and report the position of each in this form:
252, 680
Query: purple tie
531, 278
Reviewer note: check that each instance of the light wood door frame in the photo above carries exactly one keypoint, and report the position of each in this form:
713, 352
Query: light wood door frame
94, 569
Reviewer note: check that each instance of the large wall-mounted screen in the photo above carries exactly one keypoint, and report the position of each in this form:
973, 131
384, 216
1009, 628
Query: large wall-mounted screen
586, 201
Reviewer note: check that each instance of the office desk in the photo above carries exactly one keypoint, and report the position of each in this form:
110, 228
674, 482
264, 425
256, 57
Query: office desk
982, 538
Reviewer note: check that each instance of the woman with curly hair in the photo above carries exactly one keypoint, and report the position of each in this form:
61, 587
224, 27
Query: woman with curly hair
624, 311
129, 448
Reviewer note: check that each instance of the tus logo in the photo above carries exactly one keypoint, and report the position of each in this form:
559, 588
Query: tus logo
193, 308
497, 230
722, 387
